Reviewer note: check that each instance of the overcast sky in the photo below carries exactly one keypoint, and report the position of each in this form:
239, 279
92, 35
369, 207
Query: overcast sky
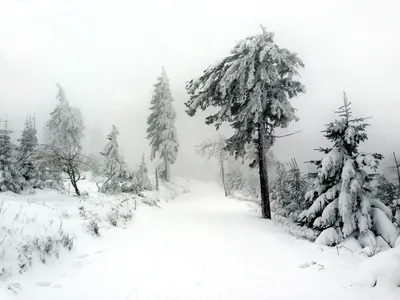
108, 54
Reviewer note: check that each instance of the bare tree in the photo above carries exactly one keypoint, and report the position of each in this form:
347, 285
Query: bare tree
215, 149
56, 160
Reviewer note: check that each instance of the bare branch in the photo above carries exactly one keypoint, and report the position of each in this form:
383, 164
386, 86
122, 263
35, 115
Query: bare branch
285, 135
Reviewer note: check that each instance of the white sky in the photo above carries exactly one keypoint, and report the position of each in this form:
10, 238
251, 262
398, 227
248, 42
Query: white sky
108, 54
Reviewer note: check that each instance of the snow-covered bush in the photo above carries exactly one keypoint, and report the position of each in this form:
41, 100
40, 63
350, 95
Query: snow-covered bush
339, 198
93, 227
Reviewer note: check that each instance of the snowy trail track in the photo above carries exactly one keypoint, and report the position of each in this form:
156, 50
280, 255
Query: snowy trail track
199, 246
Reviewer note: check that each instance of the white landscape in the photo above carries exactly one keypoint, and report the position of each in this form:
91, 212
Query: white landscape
197, 245
176, 150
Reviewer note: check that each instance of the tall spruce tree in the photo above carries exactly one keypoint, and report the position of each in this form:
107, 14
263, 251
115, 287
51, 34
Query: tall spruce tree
161, 130
251, 87
340, 196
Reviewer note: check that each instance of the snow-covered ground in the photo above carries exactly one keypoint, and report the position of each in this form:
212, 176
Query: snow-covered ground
202, 245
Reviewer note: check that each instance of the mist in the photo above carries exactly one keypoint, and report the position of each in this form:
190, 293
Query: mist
107, 56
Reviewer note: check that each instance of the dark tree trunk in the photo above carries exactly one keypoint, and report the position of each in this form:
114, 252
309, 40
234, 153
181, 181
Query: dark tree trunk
75, 185
223, 178
398, 173
74, 182
263, 169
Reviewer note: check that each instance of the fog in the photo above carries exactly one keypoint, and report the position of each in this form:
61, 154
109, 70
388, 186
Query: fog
108, 54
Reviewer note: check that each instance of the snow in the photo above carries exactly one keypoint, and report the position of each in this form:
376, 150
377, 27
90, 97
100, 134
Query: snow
200, 245
328, 237
384, 227
381, 270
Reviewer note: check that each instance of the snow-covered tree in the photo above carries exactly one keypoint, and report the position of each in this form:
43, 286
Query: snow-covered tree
340, 196
251, 87
288, 191
142, 178
10, 178
65, 125
161, 130
63, 154
215, 149
28, 143
114, 166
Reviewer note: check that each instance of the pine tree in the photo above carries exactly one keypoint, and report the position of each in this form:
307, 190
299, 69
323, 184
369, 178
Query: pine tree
63, 153
252, 87
288, 191
142, 178
114, 166
28, 144
340, 194
161, 130
216, 148
10, 178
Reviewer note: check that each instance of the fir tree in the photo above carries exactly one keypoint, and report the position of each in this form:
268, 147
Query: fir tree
288, 191
161, 130
340, 194
10, 178
142, 177
114, 166
251, 87
28, 144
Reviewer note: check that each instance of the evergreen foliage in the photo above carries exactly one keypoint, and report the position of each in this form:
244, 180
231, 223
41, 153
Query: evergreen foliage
251, 88
33, 175
339, 198
114, 167
10, 178
161, 131
288, 191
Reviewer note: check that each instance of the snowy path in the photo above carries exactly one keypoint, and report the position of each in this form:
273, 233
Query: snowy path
199, 246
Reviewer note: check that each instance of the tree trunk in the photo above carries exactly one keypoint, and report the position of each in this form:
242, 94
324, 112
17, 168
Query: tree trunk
263, 169
223, 178
167, 168
398, 173
75, 185
157, 178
